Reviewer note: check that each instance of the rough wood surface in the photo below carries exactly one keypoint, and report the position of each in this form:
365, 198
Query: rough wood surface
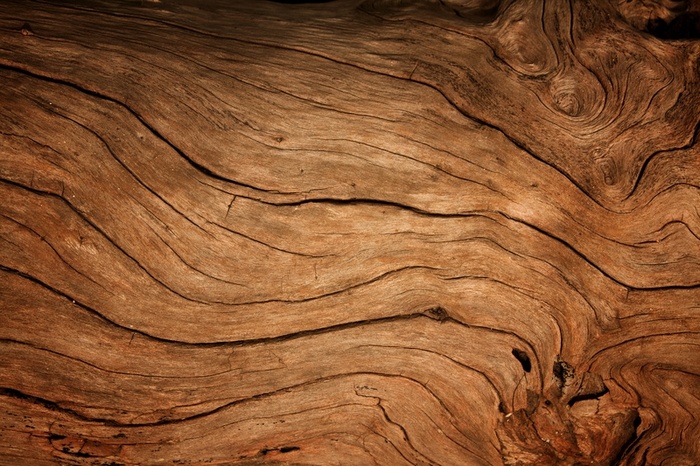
356, 232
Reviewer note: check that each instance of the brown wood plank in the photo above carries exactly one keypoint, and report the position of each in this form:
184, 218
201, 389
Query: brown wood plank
352, 232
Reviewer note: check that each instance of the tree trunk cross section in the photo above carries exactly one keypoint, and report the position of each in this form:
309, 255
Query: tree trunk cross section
350, 232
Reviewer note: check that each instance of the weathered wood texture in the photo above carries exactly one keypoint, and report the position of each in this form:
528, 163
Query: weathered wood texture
357, 232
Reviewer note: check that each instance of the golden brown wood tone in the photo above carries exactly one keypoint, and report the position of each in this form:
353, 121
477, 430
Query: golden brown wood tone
355, 232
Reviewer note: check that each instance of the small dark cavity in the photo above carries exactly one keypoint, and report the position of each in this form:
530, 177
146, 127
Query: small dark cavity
588, 396
523, 358
502, 407
437, 313
684, 26
56, 437
562, 371
26, 30
637, 422
79, 454
265, 451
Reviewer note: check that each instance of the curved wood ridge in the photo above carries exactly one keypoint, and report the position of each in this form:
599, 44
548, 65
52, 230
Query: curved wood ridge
354, 232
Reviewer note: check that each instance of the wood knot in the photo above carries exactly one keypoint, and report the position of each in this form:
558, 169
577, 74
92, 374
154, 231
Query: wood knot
568, 102
609, 169
606, 165
26, 30
588, 429
571, 94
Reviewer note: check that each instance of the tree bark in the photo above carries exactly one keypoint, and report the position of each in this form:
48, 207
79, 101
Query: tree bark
353, 232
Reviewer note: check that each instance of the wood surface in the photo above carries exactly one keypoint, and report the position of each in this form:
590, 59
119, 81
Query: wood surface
355, 232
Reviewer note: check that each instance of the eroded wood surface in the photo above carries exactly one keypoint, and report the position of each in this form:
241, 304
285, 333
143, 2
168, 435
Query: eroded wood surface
358, 232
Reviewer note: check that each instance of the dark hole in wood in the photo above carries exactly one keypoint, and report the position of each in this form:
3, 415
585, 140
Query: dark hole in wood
562, 371
588, 396
686, 26
523, 358
288, 449
79, 454
265, 451
437, 313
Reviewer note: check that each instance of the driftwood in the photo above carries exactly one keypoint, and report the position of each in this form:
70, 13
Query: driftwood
355, 232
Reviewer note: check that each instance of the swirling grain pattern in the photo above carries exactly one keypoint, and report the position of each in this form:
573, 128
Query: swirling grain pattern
356, 232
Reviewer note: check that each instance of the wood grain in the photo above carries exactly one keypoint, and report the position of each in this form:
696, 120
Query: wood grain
353, 232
